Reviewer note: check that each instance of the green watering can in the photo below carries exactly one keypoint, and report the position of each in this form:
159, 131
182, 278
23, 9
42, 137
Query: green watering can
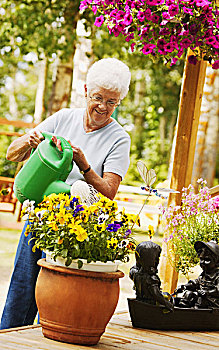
45, 171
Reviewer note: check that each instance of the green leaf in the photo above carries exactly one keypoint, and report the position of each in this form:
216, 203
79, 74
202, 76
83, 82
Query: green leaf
80, 264
68, 261
64, 253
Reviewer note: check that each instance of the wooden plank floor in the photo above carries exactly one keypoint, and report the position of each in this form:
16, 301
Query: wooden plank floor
119, 335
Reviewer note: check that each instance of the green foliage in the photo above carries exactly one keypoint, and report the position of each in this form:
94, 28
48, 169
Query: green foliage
46, 27
7, 168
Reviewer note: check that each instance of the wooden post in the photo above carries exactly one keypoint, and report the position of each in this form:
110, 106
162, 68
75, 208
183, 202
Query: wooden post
187, 127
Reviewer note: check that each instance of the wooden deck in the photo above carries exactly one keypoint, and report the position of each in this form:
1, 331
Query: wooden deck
119, 335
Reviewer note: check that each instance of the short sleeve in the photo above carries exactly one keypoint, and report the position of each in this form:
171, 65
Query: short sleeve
50, 123
117, 161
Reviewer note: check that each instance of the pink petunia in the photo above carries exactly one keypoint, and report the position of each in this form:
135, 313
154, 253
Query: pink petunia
187, 10
148, 48
169, 47
173, 10
192, 59
165, 15
148, 15
155, 18
132, 46
99, 21
127, 19
202, 3
141, 16
215, 65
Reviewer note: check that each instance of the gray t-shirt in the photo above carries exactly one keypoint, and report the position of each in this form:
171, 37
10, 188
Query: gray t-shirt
106, 149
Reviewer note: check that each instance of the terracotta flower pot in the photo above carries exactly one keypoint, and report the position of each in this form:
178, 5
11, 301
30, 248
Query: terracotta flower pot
75, 306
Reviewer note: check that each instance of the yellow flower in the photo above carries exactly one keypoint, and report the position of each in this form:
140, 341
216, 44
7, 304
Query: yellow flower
61, 196
100, 228
131, 246
84, 217
150, 231
73, 225
61, 216
93, 208
53, 225
80, 232
60, 240
112, 243
51, 216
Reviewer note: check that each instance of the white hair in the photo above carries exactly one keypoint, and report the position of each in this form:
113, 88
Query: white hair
111, 74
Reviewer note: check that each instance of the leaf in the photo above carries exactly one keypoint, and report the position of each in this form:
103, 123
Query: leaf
64, 253
80, 264
68, 261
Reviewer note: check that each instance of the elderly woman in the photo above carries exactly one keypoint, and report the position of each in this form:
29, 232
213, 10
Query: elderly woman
101, 156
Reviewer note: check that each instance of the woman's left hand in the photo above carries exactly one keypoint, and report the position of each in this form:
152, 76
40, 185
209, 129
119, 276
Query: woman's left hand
79, 157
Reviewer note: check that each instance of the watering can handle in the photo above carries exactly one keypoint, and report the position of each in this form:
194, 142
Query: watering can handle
65, 144
66, 147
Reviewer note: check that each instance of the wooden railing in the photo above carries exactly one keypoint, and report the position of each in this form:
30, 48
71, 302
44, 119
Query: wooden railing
8, 202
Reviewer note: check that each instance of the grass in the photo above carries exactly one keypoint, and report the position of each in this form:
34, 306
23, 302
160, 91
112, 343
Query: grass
8, 245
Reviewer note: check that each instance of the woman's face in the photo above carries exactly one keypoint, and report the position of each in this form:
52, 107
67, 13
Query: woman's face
101, 103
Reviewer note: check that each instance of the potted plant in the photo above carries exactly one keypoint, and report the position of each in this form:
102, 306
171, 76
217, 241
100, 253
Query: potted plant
162, 28
74, 304
196, 219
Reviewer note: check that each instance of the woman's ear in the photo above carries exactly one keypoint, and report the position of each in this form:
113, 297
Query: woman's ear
85, 90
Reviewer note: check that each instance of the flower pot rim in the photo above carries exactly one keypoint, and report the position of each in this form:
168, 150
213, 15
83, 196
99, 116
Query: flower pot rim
98, 266
77, 272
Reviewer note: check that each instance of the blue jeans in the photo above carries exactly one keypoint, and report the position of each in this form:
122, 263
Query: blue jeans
20, 307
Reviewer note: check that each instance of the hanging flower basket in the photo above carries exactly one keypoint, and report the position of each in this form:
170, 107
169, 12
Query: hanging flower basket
163, 28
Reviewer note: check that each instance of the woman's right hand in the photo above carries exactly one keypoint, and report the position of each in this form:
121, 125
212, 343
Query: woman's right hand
35, 138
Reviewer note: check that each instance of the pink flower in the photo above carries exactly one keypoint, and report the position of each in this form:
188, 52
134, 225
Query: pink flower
185, 43
187, 10
94, 9
129, 37
116, 31
127, 19
148, 48
211, 40
141, 16
120, 15
84, 4
215, 65
155, 18
169, 47
202, 3
99, 21
148, 14
173, 10
132, 46
166, 15
154, 2
173, 61
216, 202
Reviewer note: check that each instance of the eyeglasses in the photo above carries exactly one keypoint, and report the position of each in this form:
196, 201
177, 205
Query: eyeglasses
99, 100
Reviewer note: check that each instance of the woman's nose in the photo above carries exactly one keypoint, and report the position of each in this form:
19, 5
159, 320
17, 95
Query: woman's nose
103, 104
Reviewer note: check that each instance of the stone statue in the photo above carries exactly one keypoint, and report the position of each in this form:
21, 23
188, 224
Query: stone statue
203, 292
144, 275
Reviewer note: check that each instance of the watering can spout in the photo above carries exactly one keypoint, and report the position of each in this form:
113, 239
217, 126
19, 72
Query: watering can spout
45, 172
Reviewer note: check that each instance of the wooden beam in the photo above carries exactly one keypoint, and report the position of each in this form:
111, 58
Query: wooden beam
214, 191
187, 127
17, 123
7, 133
